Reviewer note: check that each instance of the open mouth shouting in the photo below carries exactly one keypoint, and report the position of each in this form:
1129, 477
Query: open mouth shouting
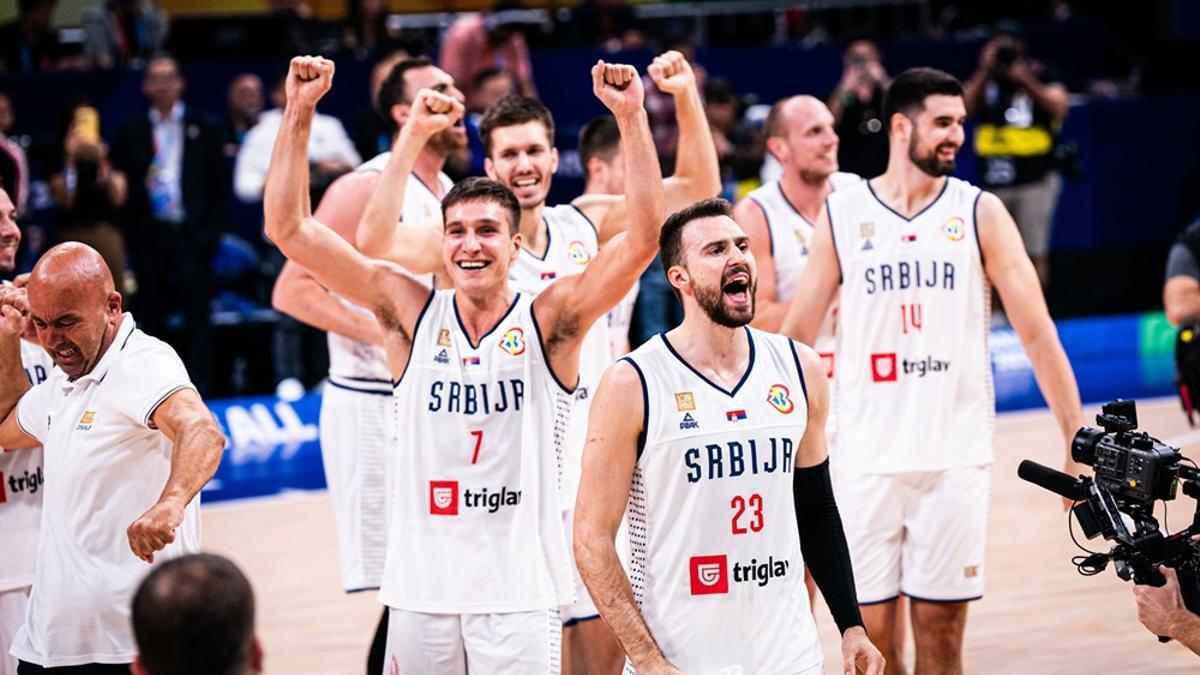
735, 287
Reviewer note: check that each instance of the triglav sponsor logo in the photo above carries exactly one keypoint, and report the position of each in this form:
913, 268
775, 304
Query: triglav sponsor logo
883, 367
443, 497
887, 368
708, 575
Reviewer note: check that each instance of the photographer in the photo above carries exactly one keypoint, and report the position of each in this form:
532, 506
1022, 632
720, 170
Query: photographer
1161, 611
857, 107
1181, 292
1019, 109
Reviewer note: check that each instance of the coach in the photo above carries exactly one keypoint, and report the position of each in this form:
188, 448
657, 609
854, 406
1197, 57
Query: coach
128, 444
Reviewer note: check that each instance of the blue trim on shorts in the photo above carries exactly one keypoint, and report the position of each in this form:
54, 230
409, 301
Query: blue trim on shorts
878, 602
360, 390
571, 622
941, 602
362, 589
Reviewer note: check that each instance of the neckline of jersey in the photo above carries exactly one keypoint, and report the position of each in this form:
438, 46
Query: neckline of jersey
745, 376
463, 328
916, 215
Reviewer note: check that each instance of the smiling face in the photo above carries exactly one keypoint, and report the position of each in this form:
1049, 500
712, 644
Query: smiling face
479, 245
523, 160
10, 234
808, 144
718, 270
936, 134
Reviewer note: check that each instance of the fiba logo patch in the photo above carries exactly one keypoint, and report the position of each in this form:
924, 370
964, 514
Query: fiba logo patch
513, 341
443, 497
578, 253
954, 228
708, 574
883, 367
780, 398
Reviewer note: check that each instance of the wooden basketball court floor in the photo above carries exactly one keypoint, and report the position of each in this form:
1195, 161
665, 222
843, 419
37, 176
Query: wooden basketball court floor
1037, 616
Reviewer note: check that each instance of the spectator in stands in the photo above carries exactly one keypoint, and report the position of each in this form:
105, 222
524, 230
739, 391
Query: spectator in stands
88, 192
194, 615
178, 197
857, 107
121, 33
1181, 292
1019, 106
370, 136
740, 145
14, 166
610, 24
29, 42
365, 33
245, 105
478, 41
330, 150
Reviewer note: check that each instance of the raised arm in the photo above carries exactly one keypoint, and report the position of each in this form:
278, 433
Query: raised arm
569, 306
416, 246
1008, 267
768, 311
13, 383
197, 443
814, 291
291, 225
614, 425
697, 172
298, 294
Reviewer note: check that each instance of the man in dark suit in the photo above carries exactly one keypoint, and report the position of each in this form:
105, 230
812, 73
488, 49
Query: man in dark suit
178, 193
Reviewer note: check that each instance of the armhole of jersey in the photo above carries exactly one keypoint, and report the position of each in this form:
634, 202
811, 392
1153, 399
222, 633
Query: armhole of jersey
799, 369
595, 230
645, 405
537, 327
975, 226
833, 239
767, 218
412, 341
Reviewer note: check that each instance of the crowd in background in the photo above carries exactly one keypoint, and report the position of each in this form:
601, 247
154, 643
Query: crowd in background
163, 199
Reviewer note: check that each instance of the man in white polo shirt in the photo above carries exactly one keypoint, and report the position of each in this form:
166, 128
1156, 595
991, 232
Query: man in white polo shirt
128, 444
21, 477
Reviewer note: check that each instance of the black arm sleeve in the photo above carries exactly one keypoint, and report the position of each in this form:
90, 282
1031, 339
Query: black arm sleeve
823, 543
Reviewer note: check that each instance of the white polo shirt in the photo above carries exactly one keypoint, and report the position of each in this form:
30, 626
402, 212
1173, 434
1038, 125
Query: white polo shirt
107, 466
21, 481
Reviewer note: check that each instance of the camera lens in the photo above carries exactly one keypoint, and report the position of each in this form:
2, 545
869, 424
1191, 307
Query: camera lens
1083, 446
1006, 54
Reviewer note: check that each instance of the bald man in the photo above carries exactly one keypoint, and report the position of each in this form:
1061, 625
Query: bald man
129, 444
21, 476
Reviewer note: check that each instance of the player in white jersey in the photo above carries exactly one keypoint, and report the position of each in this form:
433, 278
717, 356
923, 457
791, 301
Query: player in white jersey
477, 562
712, 435
21, 474
913, 252
355, 421
558, 241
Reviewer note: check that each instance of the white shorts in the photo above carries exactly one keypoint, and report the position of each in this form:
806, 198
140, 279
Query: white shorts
921, 533
452, 644
12, 616
355, 432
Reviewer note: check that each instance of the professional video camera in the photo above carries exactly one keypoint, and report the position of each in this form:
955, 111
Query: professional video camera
1133, 469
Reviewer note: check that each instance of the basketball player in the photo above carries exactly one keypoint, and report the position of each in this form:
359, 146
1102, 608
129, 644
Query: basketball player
356, 404
713, 435
914, 251
477, 564
21, 474
559, 241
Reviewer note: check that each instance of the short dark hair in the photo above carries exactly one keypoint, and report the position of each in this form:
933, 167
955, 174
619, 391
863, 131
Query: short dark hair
194, 615
511, 111
478, 188
598, 138
670, 237
392, 91
486, 74
907, 93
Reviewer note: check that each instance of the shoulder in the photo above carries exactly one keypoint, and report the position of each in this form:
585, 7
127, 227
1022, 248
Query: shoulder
841, 180
988, 207
624, 381
749, 208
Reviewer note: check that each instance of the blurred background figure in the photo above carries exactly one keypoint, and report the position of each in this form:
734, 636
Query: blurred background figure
489, 86
1019, 105
477, 41
245, 103
174, 215
365, 33
370, 136
89, 193
121, 33
29, 42
857, 105
14, 166
608, 24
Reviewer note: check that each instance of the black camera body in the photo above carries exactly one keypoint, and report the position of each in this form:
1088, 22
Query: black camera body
1132, 471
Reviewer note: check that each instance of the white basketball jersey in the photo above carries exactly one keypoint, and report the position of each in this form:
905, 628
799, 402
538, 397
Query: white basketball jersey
914, 384
22, 481
791, 236
476, 524
358, 365
716, 565
571, 244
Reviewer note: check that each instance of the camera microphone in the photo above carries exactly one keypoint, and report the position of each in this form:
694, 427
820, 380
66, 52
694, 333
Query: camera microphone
1057, 482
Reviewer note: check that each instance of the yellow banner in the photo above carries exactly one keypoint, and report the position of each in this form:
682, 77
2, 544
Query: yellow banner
994, 141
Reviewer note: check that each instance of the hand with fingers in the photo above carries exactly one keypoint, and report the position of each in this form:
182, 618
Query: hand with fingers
672, 73
154, 529
618, 87
308, 79
14, 310
859, 654
432, 112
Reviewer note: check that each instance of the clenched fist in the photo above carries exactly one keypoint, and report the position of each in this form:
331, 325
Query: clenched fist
308, 78
14, 310
672, 73
618, 87
155, 528
432, 112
